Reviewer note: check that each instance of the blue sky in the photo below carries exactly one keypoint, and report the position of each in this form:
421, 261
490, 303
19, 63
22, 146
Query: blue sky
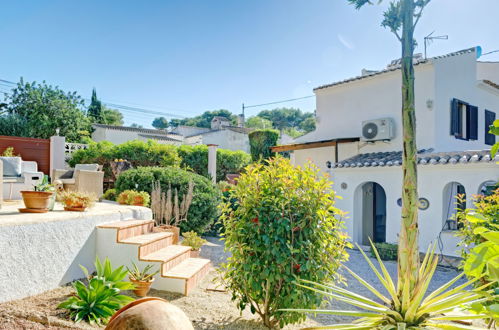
185, 57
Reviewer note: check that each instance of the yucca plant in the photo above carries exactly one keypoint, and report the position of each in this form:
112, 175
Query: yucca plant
94, 303
411, 310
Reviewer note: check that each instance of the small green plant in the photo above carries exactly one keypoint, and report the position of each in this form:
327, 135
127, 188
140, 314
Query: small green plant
45, 185
192, 239
412, 310
141, 275
8, 152
386, 251
101, 298
110, 195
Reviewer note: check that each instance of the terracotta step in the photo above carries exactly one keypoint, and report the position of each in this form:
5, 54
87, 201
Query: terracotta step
191, 271
130, 228
150, 243
170, 256
125, 224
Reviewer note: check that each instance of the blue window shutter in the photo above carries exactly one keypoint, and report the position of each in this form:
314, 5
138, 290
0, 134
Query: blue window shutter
472, 122
455, 127
490, 139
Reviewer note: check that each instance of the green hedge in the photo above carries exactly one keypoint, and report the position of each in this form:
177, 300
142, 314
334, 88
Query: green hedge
260, 142
196, 159
151, 153
203, 210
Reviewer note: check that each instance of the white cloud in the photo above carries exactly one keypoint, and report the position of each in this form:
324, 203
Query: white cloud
345, 42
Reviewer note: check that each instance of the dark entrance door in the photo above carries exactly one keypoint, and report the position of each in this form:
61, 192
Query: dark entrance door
379, 214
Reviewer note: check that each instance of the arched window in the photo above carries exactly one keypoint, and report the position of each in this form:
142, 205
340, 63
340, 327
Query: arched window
488, 187
454, 199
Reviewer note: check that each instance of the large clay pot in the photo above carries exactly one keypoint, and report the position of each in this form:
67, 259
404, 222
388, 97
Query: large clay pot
141, 287
150, 313
37, 199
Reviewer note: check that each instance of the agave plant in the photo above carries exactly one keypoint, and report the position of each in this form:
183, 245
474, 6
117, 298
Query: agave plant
144, 275
408, 310
94, 303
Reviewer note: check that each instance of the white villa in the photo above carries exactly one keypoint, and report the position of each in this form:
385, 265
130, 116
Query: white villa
358, 141
220, 133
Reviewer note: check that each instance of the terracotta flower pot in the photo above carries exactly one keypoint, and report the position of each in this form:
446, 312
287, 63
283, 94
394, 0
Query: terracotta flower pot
195, 253
141, 287
171, 229
37, 199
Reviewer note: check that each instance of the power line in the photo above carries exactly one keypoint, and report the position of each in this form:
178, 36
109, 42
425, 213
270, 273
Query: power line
277, 102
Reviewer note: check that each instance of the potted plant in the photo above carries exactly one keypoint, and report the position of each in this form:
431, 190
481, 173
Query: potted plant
77, 201
192, 239
133, 197
167, 211
142, 279
40, 200
124, 197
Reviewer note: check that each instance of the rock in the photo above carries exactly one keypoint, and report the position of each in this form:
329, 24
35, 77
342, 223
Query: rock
150, 314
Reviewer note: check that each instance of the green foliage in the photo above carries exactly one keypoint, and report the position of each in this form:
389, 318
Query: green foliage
260, 143
192, 239
308, 124
479, 235
414, 310
386, 251
144, 275
228, 161
494, 129
95, 303
8, 152
138, 153
94, 111
37, 110
204, 120
283, 227
293, 132
111, 117
203, 209
282, 118
135, 125
98, 301
160, 123
110, 195
258, 122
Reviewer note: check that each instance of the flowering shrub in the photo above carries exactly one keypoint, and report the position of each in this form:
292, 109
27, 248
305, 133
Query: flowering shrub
283, 226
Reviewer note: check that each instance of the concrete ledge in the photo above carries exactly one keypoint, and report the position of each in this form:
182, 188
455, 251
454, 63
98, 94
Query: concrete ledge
43, 251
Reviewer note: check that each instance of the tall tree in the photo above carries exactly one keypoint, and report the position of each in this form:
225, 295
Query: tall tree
160, 123
401, 18
37, 110
258, 122
111, 117
94, 111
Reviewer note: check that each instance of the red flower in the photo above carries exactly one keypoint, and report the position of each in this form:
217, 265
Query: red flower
297, 228
254, 220
296, 267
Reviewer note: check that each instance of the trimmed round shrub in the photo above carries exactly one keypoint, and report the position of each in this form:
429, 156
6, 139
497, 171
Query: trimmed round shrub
206, 196
260, 142
110, 195
228, 161
283, 227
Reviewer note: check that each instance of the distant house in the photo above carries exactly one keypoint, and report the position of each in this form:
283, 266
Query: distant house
121, 134
358, 141
220, 133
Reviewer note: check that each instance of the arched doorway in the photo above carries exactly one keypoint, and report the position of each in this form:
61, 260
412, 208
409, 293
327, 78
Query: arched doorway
373, 213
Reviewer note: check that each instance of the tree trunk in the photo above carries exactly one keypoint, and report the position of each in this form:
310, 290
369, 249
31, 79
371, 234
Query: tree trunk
408, 251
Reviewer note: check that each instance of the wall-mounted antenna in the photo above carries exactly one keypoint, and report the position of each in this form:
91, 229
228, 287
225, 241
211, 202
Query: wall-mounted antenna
429, 39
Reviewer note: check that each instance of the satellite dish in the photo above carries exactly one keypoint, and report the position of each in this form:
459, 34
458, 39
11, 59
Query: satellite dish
370, 130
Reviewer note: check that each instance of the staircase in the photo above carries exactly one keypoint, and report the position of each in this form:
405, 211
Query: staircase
124, 242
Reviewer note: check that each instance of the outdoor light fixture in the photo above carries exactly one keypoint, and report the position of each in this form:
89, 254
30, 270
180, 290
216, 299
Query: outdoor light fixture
328, 164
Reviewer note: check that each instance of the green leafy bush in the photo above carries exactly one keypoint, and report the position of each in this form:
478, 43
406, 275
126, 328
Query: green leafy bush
110, 195
283, 227
260, 142
203, 209
386, 251
138, 153
192, 239
228, 161
101, 298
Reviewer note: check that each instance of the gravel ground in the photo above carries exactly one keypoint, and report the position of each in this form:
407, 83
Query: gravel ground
205, 308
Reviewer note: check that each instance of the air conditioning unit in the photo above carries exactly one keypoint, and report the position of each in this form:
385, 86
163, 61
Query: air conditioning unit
378, 130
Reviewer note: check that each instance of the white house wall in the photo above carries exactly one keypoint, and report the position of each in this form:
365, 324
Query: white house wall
227, 139
432, 181
456, 77
342, 108
319, 156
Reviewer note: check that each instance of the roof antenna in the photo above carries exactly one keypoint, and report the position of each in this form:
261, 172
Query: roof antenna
429, 39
